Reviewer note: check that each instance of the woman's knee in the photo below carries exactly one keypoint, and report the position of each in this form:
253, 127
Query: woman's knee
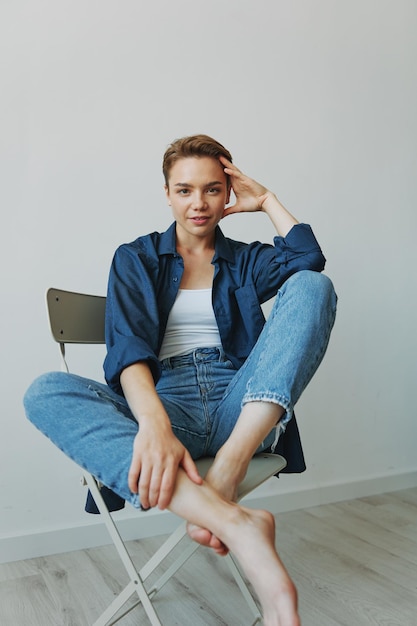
40, 391
43, 384
317, 285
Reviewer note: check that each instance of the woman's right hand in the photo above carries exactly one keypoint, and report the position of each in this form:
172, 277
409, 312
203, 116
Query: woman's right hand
157, 456
157, 453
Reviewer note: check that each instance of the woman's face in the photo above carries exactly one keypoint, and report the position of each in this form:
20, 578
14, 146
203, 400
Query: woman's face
197, 192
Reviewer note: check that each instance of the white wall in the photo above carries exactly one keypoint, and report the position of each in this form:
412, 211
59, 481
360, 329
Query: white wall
317, 99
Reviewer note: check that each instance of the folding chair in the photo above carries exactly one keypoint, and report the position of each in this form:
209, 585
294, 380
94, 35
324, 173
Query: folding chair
79, 318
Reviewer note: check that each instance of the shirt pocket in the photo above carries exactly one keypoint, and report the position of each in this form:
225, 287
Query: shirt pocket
251, 313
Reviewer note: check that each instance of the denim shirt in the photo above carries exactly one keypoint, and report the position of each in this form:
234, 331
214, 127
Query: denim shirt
144, 280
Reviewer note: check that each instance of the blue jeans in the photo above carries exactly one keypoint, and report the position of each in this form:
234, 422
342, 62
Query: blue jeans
201, 391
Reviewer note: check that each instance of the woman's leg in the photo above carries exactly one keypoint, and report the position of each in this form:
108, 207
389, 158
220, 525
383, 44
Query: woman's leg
90, 423
94, 426
250, 536
266, 388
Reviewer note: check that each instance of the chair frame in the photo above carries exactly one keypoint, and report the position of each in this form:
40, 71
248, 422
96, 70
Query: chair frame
79, 318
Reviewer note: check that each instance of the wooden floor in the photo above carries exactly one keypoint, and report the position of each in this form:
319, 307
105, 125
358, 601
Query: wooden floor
354, 563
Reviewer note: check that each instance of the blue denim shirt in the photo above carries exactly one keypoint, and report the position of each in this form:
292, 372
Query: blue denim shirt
145, 277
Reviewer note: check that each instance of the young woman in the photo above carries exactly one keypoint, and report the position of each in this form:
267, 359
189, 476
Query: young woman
193, 369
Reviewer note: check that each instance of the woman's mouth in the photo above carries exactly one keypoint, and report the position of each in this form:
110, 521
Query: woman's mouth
199, 219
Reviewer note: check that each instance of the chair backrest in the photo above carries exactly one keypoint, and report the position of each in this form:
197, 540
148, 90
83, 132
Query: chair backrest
75, 318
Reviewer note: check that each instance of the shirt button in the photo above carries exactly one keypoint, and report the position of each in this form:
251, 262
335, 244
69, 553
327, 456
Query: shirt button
175, 279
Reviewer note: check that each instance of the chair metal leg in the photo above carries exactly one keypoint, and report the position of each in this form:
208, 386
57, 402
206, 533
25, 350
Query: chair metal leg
169, 573
169, 544
111, 611
136, 584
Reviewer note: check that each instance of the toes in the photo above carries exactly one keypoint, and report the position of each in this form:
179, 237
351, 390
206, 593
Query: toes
205, 538
218, 546
200, 535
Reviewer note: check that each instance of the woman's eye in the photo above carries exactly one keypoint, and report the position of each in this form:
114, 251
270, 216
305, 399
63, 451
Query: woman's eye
183, 192
213, 190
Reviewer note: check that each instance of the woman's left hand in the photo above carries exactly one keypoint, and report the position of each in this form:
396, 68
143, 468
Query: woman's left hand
250, 195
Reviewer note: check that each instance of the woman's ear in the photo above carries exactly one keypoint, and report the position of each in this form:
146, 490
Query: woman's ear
167, 194
229, 189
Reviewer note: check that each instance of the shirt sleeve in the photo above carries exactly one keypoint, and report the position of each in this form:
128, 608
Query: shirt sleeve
299, 250
132, 319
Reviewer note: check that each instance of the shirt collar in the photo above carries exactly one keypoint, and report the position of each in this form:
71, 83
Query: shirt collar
223, 248
167, 241
167, 244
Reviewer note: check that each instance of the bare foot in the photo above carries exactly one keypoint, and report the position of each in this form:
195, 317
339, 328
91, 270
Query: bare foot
250, 536
217, 477
252, 540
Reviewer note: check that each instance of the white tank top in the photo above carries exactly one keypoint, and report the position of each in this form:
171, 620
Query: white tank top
191, 324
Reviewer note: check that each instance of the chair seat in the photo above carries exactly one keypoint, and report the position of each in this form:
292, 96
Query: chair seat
261, 467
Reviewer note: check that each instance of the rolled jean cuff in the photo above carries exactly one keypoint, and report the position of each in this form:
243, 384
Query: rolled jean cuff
273, 398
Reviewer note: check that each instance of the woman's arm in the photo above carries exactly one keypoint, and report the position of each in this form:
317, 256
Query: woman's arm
252, 196
157, 453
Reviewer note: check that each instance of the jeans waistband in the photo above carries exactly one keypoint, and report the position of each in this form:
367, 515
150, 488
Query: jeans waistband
199, 355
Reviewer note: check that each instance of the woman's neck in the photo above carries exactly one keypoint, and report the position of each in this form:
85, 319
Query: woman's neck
198, 268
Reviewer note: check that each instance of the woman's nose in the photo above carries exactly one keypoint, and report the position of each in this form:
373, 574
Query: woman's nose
198, 201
